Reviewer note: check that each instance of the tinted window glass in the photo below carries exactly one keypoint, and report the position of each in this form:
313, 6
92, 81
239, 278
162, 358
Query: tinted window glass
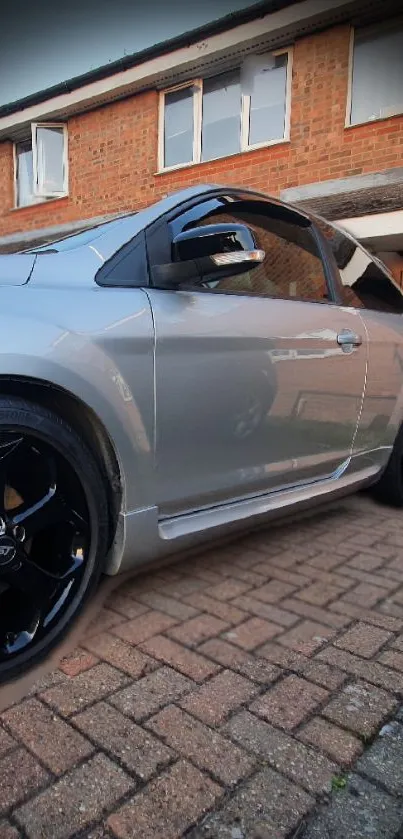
292, 268
365, 283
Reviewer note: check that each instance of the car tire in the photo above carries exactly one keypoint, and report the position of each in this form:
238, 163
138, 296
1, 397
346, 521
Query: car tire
54, 513
389, 489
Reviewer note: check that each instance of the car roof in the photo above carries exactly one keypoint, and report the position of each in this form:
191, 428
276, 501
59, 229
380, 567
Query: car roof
113, 234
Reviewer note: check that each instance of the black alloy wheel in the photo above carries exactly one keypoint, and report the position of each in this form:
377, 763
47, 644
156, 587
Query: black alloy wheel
53, 532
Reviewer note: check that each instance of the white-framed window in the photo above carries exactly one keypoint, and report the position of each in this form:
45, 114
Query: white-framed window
40, 164
232, 112
376, 73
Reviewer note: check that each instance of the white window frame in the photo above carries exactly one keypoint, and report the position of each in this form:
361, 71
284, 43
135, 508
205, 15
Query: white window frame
39, 194
245, 146
349, 101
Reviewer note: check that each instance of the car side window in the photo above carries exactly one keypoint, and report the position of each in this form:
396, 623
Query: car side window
292, 267
365, 283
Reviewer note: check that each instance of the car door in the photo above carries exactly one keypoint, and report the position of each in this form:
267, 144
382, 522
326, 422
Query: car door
258, 377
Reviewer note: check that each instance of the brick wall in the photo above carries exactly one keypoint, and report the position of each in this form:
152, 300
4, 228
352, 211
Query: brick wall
113, 150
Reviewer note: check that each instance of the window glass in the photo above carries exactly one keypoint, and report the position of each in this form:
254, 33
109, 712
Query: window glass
292, 267
25, 173
365, 283
45, 154
50, 162
235, 110
221, 119
178, 127
268, 101
377, 85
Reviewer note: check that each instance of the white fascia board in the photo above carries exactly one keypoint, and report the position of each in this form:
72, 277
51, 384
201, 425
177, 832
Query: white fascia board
373, 226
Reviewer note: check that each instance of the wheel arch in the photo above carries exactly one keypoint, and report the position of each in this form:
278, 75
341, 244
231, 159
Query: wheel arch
83, 421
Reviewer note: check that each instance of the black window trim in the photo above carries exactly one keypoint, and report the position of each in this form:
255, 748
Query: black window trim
155, 239
337, 288
135, 249
341, 297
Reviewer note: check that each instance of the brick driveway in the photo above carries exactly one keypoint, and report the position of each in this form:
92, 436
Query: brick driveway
221, 697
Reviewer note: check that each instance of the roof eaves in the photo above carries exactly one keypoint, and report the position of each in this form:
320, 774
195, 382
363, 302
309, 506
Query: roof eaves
259, 9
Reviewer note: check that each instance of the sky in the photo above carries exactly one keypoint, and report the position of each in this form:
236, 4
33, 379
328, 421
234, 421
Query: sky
45, 42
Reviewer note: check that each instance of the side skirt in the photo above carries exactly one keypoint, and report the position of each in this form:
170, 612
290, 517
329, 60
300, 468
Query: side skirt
142, 537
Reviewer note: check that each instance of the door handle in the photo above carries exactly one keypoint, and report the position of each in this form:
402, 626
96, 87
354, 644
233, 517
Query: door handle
347, 338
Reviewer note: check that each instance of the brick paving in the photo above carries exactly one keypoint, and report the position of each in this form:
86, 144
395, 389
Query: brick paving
225, 696
367, 802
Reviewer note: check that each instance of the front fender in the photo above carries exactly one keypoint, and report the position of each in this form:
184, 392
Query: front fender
93, 364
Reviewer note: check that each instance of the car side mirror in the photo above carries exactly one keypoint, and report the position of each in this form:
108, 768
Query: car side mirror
211, 252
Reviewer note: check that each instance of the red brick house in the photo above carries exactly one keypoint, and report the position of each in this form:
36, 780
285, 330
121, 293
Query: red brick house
299, 98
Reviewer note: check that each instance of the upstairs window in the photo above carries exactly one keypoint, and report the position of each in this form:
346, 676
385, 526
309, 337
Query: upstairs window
225, 114
377, 73
41, 164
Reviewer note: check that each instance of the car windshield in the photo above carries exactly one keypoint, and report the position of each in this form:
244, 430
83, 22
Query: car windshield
77, 239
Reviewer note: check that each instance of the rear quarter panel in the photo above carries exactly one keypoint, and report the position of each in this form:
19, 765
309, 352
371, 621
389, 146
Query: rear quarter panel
382, 412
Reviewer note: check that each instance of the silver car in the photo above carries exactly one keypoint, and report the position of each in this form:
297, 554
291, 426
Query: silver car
175, 375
